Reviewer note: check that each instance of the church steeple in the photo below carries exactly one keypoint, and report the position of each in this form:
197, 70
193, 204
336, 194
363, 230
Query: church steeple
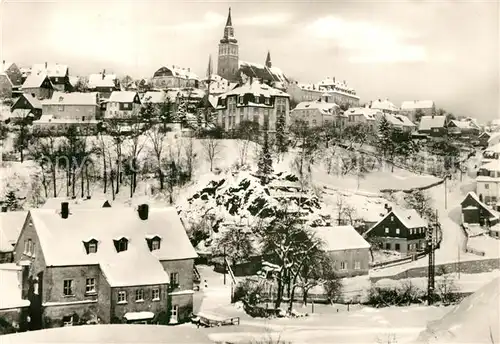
268, 60
229, 30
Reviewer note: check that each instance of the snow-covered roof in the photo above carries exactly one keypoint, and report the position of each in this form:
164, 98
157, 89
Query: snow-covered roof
180, 72
494, 148
61, 239
50, 69
213, 100
399, 120
73, 80
93, 203
33, 101
417, 104
139, 315
323, 107
369, 114
73, 98
474, 320
492, 166
255, 88
494, 214
11, 224
408, 217
10, 297
260, 71
494, 138
334, 85
384, 105
155, 97
429, 122
122, 96
34, 81
462, 124
102, 80
340, 238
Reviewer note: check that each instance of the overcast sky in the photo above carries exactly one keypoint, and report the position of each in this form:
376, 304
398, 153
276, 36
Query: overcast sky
401, 50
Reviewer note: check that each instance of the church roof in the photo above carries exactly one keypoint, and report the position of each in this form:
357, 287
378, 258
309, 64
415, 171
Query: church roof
229, 22
262, 72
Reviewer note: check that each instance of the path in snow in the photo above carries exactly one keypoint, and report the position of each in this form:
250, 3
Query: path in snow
215, 293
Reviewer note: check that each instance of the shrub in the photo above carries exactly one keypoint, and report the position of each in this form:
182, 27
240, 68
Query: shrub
248, 291
6, 327
116, 320
402, 295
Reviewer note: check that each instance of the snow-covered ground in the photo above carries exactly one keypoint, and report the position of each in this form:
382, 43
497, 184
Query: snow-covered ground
10, 295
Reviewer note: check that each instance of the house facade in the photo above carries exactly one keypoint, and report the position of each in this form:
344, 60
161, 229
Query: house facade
10, 79
30, 105
256, 102
317, 114
57, 73
363, 115
107, 265
122, 105
410, 108
463, 129
174, 76
103, 83
488, 184
400, 230
400, 122
328, 89
348, 250
38, 85
11, 224
385, 106
434, 126
474, 211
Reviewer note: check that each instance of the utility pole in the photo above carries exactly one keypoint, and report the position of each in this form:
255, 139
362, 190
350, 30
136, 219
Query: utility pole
445, 192
432, 263
225, 265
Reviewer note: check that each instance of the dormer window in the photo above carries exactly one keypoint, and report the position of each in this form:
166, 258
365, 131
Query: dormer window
257, 99
240, 99
90, 246
154, 242
121, 244
267, 101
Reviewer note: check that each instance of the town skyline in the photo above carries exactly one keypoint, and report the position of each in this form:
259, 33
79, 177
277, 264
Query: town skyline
382, 50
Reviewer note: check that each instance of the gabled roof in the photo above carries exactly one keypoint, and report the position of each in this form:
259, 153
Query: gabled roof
51, 69
61, 239
183, 73
34, 81
408, 217
484, 133
259, 71
493, 138
339, 238
399, 120
73, 98
323, 107
429, 122
32, 100
11, 224
155, 97
417, 104
494, 214
384, 105
255, 88
494, 149
20, 113
331, 84
100, 80
122, 96
462, 124
369, 114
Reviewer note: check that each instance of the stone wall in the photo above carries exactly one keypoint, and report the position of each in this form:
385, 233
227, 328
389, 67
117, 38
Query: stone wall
466, 267
17, 317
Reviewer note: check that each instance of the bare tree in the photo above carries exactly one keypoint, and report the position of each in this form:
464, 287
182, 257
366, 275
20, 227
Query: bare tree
212, 148
46, 154
157, 137
189, 155
346, 213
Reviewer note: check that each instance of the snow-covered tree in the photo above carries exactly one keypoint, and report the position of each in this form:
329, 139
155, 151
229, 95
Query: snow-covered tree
281, 135
265, 163
11, 201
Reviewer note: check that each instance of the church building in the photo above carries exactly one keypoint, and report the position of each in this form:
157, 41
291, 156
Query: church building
231, 68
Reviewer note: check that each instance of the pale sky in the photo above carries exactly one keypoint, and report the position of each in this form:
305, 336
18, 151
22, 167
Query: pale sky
447, 51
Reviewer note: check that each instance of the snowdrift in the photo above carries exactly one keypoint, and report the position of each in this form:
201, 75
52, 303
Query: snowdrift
474, 320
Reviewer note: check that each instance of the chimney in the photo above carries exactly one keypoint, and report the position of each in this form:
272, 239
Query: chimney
89, 197
45, 65
33, 95
189, 69
143, 211
3, 64
333, 79
64, 210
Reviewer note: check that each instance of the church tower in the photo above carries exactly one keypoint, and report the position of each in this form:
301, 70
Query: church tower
227, 64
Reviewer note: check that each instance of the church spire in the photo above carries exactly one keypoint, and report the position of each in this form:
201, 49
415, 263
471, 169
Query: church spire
210, 70
229, 22
268, 60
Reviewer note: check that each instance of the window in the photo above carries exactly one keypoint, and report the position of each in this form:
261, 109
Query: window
155, 294
397, 247
155, 244
313, 122
240, 99
397, 230
174, 279
486, 186
256, 99
121, 244
392, 218
388, 246
410, 246
83, 118
267, 101
90, 285
357, 265
60, 107
343, 265
386, 230
122, 296
92, 247
139, 295
68, 287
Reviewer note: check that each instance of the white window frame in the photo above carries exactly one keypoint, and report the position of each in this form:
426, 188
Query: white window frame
122, 296
68, 287
386, 230
90, 285
357, 265
267, 101
139, 295
155, 244
155, 294
174, 278
343, 265
398, 231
